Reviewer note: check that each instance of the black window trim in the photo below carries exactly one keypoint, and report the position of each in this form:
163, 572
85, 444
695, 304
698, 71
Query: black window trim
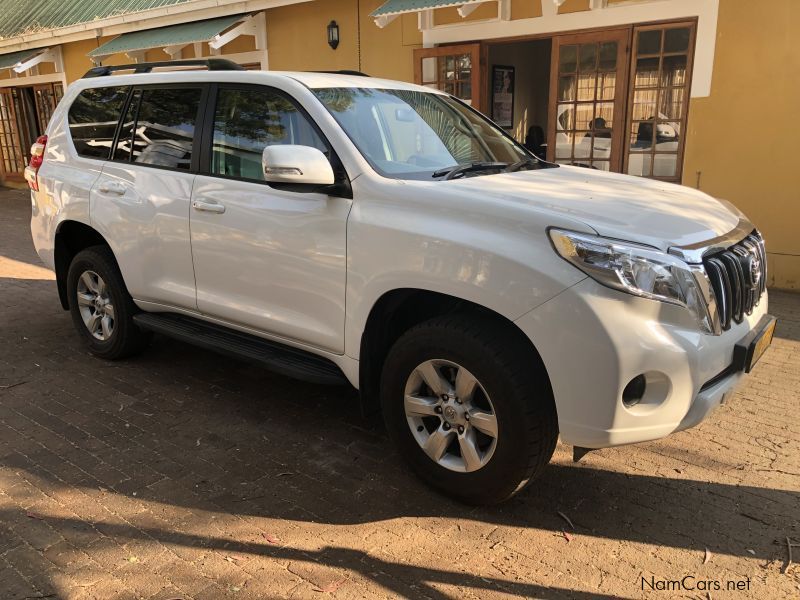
341, 188
194, 167
121, 123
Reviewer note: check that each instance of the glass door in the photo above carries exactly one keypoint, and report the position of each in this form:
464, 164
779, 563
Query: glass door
12, 155
587, 99
452, 69
24, 114
47, 96
661, 69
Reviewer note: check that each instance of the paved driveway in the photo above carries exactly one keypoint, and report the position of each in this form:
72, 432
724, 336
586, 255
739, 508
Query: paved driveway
181, 474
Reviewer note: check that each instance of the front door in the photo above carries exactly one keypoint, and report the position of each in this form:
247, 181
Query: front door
267, 259
452, 69
587, 100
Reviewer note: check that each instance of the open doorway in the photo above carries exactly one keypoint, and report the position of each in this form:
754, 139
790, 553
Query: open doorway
519, 90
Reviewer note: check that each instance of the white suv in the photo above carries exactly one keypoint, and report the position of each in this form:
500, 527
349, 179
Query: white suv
340, 228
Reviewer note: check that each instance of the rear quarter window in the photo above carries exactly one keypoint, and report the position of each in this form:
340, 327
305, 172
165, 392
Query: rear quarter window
93, 119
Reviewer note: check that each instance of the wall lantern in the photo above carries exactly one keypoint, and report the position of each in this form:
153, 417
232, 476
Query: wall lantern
333, 34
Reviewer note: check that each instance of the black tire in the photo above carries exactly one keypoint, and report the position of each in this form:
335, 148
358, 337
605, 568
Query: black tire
125, 339
511, 375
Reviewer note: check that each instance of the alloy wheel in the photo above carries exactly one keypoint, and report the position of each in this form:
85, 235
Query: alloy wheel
95, 305
450, 415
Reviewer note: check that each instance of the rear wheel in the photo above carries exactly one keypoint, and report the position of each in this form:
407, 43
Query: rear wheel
467, 407
102, 310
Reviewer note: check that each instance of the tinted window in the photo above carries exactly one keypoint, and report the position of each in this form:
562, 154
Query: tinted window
246, 122
164, 129
93, 119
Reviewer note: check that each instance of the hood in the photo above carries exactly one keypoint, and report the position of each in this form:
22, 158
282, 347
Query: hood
618, 206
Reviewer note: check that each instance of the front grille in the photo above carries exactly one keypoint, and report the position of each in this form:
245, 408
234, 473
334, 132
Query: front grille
738, 278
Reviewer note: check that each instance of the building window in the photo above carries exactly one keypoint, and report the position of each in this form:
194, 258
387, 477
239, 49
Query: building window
659, 94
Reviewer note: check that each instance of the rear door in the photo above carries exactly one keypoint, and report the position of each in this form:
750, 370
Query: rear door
141, 201
265, 258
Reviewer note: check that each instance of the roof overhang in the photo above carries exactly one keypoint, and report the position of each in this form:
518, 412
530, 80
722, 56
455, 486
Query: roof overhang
149, 18
390, 10
173, 38
25, 60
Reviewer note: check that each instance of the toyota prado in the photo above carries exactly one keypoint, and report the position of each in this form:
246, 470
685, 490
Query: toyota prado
339, 228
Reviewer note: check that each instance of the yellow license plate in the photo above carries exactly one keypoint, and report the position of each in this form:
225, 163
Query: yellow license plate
761, 344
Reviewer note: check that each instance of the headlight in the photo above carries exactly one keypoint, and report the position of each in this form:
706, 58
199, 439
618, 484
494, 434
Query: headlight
634, 269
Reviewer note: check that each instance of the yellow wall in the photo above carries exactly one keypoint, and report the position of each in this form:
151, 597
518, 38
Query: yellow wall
525, 9
297, 39
297, 36
571, 6
76, 63
743, 137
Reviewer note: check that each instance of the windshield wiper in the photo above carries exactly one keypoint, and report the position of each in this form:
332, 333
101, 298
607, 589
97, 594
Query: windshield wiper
453, 172
521, 164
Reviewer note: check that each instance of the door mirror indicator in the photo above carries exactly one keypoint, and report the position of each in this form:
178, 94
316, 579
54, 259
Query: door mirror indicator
296, 165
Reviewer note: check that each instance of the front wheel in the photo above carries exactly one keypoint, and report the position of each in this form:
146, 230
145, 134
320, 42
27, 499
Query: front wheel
467, 405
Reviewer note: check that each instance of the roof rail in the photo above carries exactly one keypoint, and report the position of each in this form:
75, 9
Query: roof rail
212, 64
344, 72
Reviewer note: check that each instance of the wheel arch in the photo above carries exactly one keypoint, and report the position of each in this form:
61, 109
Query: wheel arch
72, 237
398, 310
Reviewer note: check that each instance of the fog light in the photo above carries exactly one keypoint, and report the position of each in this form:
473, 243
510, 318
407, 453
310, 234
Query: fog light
634, 391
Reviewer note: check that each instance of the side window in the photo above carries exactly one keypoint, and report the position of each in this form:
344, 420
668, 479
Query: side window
93, 119
246, 122
164, 129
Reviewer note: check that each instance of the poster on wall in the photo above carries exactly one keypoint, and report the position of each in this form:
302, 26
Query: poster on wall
503, 96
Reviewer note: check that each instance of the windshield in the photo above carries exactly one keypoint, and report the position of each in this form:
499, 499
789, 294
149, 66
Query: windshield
408, 134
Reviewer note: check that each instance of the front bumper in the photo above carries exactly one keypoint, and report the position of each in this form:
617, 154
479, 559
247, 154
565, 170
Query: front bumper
594, 340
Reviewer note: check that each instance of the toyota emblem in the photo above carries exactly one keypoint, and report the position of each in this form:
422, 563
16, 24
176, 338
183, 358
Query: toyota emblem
755, 271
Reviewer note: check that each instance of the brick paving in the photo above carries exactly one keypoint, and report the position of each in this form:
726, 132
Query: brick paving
182, 474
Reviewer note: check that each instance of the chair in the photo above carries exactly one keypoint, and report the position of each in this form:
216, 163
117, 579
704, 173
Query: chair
534, 141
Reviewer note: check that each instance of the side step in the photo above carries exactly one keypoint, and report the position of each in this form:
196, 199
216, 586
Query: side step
276, 357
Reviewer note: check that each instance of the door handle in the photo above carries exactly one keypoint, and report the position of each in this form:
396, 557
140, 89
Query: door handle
112, 187
211, 207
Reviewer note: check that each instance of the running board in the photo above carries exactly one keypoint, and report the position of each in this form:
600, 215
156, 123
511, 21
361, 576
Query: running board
276, 357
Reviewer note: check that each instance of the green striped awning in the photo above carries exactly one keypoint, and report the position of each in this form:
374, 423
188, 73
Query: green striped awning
398, 7
9, 60
172, 35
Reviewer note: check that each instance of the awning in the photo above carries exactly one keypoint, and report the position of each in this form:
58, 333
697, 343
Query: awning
27, 59
14, 58
390, 10
167, 37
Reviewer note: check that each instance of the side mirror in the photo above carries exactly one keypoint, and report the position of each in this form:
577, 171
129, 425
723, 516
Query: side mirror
295, 164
